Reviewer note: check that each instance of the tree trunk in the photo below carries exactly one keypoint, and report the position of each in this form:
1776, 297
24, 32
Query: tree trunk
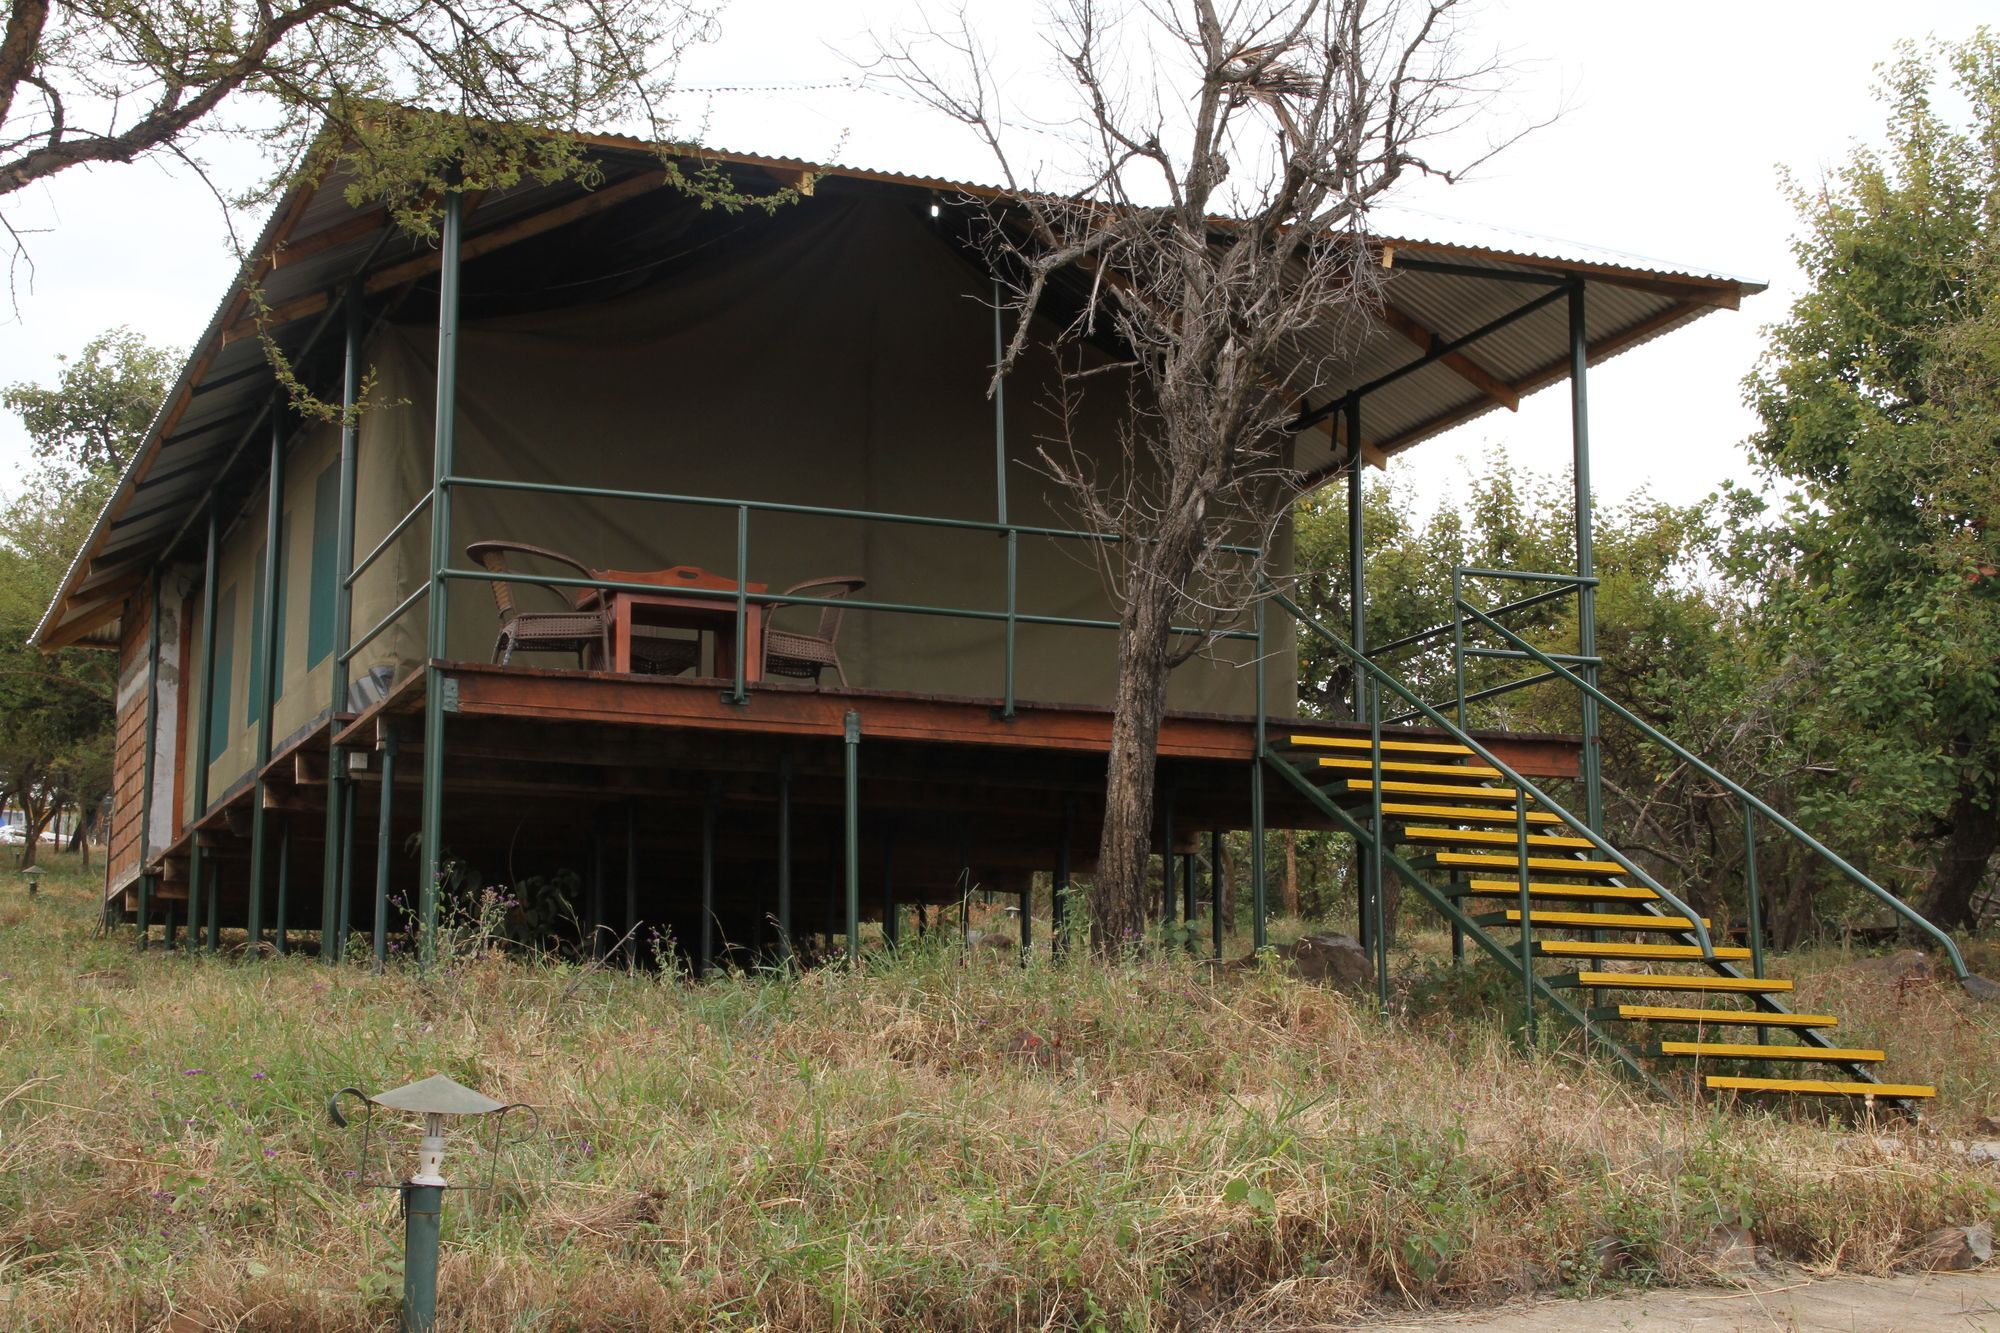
1291, 873
1118, 892
1962, 860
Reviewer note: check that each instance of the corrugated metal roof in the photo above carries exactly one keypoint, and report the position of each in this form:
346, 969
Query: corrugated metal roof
321, 242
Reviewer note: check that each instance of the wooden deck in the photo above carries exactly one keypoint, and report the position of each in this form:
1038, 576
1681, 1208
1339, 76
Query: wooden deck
549, 772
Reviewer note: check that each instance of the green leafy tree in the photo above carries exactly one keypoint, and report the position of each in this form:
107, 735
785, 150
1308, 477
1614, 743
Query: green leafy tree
56, 709
1878, 412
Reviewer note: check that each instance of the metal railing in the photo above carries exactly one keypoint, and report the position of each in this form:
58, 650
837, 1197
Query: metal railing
1753, 805
1569, 585
1010, 614
1372, 678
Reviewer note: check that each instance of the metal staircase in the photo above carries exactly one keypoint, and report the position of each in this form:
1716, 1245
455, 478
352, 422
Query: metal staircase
1591, 936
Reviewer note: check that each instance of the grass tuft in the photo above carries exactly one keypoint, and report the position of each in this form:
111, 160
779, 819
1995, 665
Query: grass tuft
928, 1143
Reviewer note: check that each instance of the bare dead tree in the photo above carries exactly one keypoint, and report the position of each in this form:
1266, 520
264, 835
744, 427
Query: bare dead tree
1215, 216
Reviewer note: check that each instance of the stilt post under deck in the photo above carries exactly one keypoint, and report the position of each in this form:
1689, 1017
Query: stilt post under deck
785, 859
384, 831
1215, 891
851, 735
708, 817
631, 886
1059, 888
892, 926
283, 917
432, 830
336, 865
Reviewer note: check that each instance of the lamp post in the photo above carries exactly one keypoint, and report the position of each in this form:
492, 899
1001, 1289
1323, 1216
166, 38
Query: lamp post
436, 1099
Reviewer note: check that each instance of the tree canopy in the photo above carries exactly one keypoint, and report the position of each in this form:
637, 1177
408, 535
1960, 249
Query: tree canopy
1878, 414
56, 709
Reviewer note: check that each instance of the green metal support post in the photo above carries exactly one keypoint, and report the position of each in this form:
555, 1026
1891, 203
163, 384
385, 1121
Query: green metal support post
892, 926
1527, 921
1357, 621
851, 736
384, 831
631, 886
201, 933
1168, 891
1215, 891
344, 922
284, 883
1378, 923
214, 906
145, 913
336, 865
264, 687
785, 859
708, 817
167, 924
1059, 888
1586, 592
432, 827
594, 907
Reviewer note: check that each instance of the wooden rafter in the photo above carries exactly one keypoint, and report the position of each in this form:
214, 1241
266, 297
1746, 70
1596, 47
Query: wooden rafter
1458, 362
394, 275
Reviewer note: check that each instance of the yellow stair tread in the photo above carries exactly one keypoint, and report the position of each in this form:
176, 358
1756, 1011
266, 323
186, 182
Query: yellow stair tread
1507, 888
1656, 1013
1494, 837
1466, 813
1555, 864
1460, 792
1662, 981
1405, 766
1361, 743
1818, 1086
1728, 1050
1598, 920
1677, 953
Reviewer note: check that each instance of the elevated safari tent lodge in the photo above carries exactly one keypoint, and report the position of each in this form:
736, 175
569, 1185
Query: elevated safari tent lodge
681, 562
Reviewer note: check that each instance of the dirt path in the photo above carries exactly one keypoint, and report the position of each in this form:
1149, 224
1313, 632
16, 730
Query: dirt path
1931, 1303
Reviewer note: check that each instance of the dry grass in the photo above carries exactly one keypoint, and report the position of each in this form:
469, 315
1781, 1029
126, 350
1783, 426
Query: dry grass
883, 1150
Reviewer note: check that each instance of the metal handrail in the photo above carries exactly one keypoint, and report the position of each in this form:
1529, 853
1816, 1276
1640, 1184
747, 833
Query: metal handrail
811, 511
735, 595
1435, 631
1742, 793
1521, 784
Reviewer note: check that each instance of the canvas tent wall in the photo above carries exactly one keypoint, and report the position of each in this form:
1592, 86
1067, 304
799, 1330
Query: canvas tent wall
835, 354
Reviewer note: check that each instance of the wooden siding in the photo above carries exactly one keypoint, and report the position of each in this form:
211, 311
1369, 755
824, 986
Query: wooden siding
128, 755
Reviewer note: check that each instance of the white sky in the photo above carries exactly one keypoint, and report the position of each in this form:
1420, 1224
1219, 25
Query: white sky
1678, 120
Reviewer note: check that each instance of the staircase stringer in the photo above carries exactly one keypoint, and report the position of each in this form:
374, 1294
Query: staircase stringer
1457, 917
1761, 999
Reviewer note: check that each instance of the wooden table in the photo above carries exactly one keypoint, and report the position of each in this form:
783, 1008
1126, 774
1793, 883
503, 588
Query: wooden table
672, 608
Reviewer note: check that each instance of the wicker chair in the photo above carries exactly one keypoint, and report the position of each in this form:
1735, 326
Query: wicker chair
791, 653
581, 629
